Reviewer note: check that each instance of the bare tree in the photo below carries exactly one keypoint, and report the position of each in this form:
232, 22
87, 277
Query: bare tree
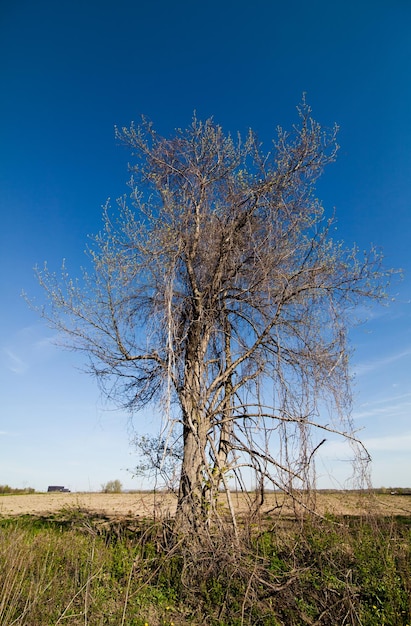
222, 291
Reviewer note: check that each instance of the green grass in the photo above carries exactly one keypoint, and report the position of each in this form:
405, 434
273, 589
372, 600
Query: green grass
74, 568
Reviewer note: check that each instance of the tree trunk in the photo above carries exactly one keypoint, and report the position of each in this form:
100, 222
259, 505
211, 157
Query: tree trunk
190, 509
191, 512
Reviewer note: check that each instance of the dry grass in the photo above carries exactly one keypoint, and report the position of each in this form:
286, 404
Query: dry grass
147, 505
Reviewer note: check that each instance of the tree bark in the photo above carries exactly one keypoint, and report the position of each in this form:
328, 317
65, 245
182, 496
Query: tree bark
190, 498
191, 510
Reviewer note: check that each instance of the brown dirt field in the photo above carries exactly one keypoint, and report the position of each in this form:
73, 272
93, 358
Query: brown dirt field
147, 504
112, 505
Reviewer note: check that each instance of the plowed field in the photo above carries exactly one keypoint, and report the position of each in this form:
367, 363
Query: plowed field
149, 504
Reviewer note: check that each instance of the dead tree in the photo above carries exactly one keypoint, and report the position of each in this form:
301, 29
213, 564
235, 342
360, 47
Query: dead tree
219, 287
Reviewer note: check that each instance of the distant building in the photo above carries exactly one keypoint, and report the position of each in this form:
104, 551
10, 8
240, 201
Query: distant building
58, 488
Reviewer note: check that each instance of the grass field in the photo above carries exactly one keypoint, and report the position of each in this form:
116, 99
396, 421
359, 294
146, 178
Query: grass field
109, 559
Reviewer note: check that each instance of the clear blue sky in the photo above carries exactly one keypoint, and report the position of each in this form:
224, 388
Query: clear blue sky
72, 69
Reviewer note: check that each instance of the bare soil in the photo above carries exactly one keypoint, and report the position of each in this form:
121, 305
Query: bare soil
116, 505
145, 504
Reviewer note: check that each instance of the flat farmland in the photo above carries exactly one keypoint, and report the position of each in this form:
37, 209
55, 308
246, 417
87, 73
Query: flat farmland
147, 504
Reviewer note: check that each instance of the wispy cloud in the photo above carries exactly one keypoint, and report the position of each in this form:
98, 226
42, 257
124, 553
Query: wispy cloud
379, 401
391, 406
13, 362
390, 444
360, 369
394, 443
26, 348
45, 343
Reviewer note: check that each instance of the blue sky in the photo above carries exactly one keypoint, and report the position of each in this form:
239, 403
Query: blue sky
71, 70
